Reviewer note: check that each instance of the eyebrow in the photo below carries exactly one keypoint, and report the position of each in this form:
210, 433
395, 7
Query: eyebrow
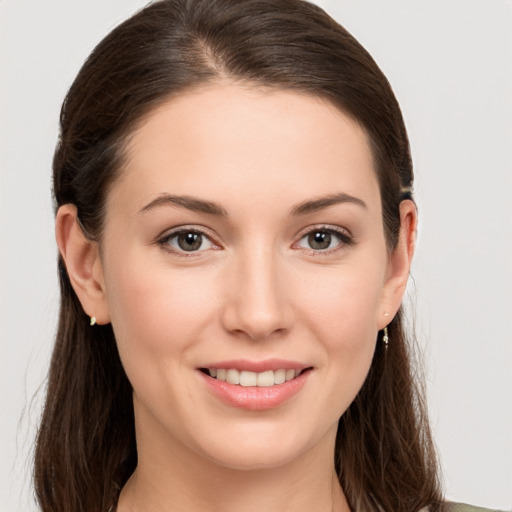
211, 208
191, 203
326, 201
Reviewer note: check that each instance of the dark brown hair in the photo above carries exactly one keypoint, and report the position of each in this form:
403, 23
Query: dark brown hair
86, 442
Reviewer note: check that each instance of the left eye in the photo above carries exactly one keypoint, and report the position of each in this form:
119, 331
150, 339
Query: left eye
188, 241
322, 240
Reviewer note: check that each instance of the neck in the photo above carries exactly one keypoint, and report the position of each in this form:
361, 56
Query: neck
173, 478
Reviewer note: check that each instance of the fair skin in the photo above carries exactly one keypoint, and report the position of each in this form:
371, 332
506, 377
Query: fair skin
278, 263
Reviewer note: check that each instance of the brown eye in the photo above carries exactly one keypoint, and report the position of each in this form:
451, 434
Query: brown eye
325, 239
190, 241
187, 241
319, 240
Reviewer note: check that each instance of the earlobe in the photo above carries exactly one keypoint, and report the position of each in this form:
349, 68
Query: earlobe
399, 264
83, 264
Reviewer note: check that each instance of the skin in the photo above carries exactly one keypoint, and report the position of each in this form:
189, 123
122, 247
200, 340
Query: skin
255, 290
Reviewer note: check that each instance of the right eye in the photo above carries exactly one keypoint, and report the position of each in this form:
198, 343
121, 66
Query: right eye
187, 240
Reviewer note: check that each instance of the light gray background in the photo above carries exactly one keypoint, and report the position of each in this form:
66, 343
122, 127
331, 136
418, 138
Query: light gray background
450, 63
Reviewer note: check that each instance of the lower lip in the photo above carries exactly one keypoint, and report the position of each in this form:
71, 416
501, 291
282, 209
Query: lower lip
253, 397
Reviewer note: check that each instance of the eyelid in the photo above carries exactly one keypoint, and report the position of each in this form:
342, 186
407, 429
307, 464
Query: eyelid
163, 239
344, 235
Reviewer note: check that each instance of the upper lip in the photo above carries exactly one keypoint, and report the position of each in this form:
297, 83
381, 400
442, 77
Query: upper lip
258, 366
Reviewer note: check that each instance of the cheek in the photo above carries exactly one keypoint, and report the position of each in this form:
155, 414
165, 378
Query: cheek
342, 311
344, 305
156, 312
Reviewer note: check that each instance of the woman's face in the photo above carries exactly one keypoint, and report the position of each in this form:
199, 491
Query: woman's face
245, 236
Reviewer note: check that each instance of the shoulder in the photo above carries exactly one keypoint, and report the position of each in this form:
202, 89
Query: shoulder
462, 507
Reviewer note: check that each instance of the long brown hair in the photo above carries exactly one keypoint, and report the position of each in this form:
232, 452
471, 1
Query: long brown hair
86, 442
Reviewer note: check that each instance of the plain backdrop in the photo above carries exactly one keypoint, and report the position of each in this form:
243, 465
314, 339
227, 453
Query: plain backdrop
450, 63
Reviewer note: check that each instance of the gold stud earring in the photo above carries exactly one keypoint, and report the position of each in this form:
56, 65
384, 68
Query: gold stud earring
93, 320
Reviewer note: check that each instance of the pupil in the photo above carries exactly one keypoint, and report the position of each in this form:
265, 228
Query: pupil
190, 241
319, 240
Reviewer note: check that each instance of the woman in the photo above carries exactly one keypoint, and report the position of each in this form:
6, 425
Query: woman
235, 223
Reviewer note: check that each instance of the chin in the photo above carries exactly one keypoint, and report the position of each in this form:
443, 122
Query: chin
263, 450
261, 458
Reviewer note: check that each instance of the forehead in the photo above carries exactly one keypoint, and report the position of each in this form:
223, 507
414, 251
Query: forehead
225, 141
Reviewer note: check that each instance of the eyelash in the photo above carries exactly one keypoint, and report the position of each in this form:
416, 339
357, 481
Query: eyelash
344, 239
164, 241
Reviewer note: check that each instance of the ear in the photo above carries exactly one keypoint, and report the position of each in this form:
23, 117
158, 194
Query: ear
83, 264
399, 264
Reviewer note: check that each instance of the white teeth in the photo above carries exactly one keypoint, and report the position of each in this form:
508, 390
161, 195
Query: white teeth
233, 376
265, 379
246, 378
279, 376
290, 374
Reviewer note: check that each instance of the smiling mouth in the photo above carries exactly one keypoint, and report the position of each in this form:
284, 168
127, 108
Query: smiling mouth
246, 378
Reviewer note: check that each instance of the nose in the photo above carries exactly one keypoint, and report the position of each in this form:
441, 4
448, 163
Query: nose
257, 305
